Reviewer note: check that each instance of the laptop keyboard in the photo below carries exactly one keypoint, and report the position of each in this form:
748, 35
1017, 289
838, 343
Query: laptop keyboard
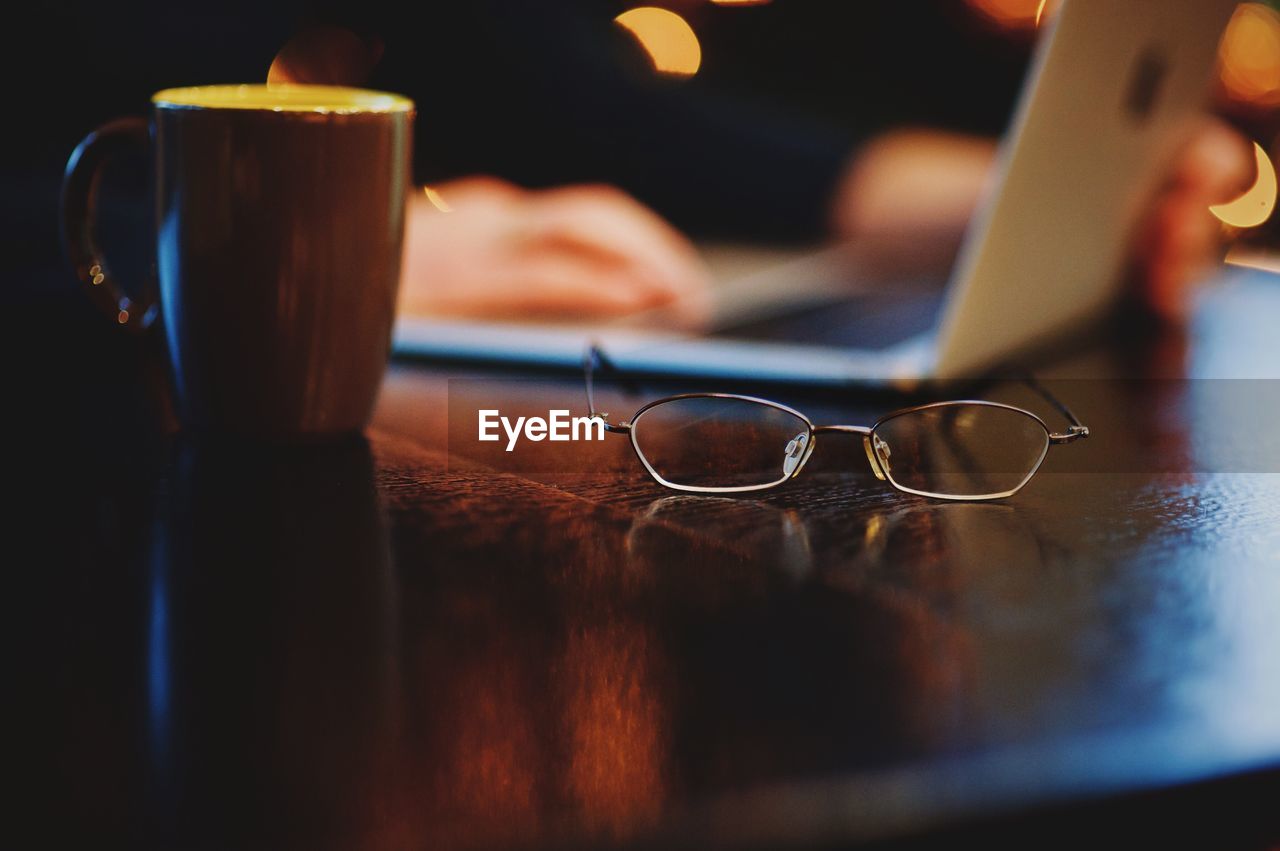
864, 322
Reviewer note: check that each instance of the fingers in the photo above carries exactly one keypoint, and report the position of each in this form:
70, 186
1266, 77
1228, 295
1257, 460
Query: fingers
1217, 163
483, 189
561, 284
550, 285
612, 226
584, 253
908, 195
1181, 238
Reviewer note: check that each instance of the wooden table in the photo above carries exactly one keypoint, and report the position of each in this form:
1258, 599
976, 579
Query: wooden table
408, 642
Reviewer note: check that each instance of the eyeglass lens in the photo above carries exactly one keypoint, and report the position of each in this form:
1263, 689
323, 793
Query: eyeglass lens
960, 450
716, 443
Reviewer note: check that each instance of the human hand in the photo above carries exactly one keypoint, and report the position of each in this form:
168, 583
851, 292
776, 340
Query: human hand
907, 197
911, 193
576, 252
1180, 238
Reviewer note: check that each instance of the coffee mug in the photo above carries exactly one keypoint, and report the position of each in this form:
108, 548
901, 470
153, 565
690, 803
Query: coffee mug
280, 222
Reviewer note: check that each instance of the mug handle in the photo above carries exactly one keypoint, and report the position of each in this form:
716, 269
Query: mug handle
79, 190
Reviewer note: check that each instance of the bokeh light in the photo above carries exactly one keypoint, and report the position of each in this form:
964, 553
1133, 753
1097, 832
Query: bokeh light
1014, 15
1250, 55
1255, 206
667, 38
436, 199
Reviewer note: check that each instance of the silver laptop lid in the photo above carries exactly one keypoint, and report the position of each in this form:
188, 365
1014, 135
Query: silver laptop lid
1114, 92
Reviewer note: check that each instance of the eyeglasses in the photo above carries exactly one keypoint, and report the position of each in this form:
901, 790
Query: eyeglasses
726, 443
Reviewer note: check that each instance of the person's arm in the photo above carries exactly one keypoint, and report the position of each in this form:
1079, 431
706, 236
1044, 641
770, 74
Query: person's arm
533, 92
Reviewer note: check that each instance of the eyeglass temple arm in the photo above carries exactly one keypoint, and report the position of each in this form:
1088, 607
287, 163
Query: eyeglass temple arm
1076, 430
594, 359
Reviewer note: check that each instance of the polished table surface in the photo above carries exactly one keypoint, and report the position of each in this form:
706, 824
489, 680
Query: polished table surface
408, 642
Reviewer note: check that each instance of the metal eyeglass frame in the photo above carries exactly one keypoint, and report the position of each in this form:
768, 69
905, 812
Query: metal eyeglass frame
594, 359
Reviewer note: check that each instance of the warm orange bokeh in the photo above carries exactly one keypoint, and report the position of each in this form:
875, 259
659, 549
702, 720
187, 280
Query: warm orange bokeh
1015, 15
1250, 56
666, 37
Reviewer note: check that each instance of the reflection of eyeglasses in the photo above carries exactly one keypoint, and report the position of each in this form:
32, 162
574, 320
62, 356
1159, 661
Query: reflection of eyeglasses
726, 443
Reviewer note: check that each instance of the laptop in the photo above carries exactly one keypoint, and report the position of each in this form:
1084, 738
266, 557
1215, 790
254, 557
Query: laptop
1112, 95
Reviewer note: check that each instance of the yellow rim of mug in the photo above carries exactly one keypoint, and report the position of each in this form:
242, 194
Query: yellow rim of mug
290, 97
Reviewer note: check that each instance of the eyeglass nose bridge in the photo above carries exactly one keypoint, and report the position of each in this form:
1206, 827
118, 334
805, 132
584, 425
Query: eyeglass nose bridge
865, 433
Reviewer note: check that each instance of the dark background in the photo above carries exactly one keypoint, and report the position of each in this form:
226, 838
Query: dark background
539, 93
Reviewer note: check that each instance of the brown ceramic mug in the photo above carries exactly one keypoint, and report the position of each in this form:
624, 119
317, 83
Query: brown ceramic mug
280, 219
